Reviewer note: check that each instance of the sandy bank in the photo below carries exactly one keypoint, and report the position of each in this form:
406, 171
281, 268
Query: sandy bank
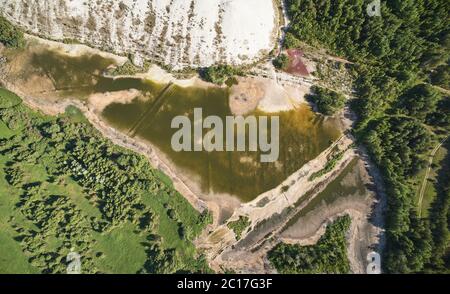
266, 95
99, 101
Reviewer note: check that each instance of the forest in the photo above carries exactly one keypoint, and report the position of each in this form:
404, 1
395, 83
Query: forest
64, 187
402, 105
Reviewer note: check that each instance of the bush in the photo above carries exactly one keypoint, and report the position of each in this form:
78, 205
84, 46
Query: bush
10, 36
239, 226
219, 74
281, 61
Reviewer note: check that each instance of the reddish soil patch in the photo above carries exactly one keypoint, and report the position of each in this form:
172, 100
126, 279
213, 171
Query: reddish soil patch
296, 65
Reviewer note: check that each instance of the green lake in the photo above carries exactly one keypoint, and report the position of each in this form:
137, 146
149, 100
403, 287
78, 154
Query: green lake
303, 134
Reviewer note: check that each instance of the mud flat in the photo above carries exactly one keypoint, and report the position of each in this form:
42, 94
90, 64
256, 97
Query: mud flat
266, 95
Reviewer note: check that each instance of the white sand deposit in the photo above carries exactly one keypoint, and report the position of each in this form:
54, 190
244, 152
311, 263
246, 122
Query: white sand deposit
178, 33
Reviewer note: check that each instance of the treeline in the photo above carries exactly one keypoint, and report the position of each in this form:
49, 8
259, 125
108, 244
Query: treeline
396, 144
400, 114
327, 256
119, 184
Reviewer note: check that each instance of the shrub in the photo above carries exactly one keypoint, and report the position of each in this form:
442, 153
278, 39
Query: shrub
239, 226
219, 74
281, 62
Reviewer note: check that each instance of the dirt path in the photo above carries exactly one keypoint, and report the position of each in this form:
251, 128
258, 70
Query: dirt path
427, 174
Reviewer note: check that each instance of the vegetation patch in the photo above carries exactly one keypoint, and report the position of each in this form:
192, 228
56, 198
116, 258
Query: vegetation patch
328, 102
219, 74
10, 35
8, 99
239, 226
129, 69
281, 61
329, 166
328, 256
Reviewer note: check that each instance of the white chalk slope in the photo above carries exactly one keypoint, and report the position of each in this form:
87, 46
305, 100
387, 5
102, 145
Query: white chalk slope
179, 33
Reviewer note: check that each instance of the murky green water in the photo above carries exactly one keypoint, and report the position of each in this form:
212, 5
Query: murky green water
303, 135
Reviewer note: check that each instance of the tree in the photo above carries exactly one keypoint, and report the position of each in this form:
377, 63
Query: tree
281, 61
419, 101
441, 76
329, 255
